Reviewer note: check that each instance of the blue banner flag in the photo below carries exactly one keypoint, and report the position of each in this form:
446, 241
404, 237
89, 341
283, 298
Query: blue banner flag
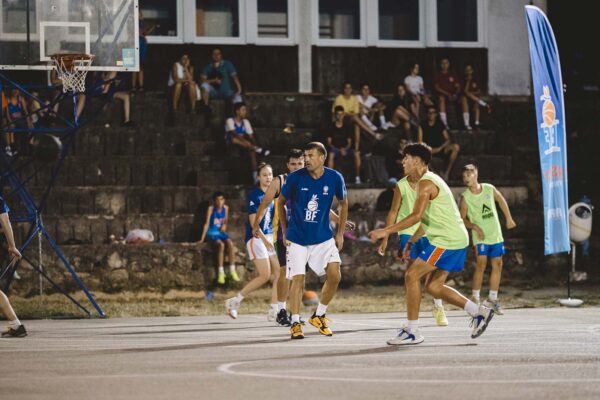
550, 112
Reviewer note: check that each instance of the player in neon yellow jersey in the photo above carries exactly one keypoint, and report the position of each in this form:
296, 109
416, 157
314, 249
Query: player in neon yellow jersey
402, 205
437, 213
478, 211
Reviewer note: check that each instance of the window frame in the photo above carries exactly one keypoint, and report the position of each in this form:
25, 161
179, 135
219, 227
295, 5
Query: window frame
242, 23
252, 26
481, 31
373, 34
360, 42
177, 39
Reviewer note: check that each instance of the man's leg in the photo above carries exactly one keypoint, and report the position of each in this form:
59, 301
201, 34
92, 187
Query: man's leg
492, 300
438, 307
176, 94
357, 163
453, 149
334, 276
16, 329
274, 263
478, 277
206, 92
231, 250
442, 103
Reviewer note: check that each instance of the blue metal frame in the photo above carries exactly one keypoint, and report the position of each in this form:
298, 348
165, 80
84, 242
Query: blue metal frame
34, 211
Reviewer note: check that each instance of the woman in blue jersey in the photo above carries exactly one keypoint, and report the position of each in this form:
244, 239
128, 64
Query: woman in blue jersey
261, 249
215, 230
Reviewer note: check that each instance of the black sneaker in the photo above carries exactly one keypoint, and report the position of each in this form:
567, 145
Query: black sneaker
19, 332
283, 319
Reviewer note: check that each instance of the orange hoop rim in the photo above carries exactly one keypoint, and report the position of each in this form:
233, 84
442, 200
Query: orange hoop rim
68, 59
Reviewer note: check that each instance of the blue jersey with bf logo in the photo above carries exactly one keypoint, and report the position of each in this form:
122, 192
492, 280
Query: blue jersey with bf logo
266, 225
311, 201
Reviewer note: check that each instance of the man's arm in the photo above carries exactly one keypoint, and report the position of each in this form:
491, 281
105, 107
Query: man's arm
341, 227
236, 80
413, 239
206, 223
226, 220
447, 141
8, 234
391, 217
510, 223
274, 187
426, 190
468, 224
280, 204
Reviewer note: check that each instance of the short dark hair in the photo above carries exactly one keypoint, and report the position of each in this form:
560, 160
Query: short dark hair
346, 83
237, 106
470, 167
294, 153
419, 150
261, 166
217, 194
338, 109
429, 108
317, 145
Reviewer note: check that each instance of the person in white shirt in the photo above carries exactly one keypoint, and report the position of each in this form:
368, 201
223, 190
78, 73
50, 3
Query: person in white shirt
416, 87
370, 107
182, 75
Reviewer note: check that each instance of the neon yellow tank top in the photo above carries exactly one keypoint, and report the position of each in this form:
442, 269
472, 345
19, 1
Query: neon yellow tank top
481, 210
441, 221
409, 196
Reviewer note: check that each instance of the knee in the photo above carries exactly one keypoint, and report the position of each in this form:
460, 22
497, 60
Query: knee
334, 276
433, 288
411, 277
220, 246
456, 147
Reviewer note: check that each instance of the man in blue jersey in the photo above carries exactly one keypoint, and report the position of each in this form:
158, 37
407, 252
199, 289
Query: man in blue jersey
15, 328
309, 236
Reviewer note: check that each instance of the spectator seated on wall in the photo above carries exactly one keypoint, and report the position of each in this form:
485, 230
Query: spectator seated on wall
435, 134
471, 98
111, 80
16, 114
447, 88
341, 136
401, 108
415, 86
371, 109
219, 80
239, 133
181, 79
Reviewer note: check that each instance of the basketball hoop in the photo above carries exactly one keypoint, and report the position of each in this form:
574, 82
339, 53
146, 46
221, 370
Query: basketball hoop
72, 69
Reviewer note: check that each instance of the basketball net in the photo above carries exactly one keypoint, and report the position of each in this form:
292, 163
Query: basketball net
72, 69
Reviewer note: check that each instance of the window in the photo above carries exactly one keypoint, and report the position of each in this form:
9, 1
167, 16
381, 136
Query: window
272, 18
457, 21
160, 17
399, 19
339, 19
14, 16
217, 18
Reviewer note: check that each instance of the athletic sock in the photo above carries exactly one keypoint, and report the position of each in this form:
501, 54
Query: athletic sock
412, 325
231, 268
275, 307
437, 302
281, 305
382, 120
295, 318
493, 295
476, 295
221, 270
239, 297
482, 103
471, 308
466, 118
14, 324
443, 118
321, 310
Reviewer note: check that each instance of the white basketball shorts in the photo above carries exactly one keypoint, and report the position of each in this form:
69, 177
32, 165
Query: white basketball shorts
317, 256
257, 249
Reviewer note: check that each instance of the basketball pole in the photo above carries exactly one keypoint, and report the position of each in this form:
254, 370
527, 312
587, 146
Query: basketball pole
34, 211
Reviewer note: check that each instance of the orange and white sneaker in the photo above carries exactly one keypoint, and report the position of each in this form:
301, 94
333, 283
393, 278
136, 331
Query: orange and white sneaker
320, 322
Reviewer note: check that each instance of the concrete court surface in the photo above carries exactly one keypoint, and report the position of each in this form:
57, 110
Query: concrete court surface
525, 354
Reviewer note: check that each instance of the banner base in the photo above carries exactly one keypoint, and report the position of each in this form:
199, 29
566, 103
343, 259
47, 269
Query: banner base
570, 302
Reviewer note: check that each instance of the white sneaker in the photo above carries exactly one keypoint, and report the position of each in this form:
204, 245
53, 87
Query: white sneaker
406, 337
357, 180
271, 315
494, 305
481, 321
232, 306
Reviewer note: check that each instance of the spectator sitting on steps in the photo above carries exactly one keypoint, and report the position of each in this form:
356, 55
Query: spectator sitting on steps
351, 108
434, 134
370, 108
216, 80
182, 76
471, 97
238, 132
446, 87
401, 108
416, 88
340, 136
215, 231
112, 79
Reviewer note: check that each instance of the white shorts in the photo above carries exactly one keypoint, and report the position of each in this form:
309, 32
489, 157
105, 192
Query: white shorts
257, 249
317, 256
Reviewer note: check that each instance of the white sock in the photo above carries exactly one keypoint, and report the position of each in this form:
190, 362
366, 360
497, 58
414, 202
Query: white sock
476, 295
437, 302
321, 310
221, 270
471, 308
382, 120
493, 295
443, 118
412, 325
232, 268
14, 324
466, 118
281, 305
295, 318
275, 307
239, 297
482, 103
